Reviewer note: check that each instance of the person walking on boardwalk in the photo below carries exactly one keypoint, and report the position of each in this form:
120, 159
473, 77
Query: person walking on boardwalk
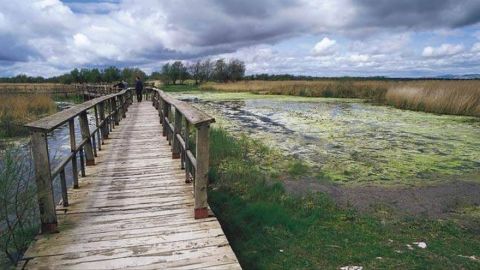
138, 88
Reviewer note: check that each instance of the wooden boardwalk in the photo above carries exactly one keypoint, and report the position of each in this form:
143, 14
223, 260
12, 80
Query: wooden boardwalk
133, 210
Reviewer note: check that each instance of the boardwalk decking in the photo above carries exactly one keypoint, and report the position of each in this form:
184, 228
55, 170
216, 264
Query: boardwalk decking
133, 210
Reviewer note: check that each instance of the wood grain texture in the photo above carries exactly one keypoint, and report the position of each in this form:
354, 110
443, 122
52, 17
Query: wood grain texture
133, 210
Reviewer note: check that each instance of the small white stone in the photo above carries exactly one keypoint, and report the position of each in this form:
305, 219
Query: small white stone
420, 244
281, 250
351, 267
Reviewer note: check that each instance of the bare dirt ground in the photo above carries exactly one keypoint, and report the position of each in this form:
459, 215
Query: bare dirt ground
439, 201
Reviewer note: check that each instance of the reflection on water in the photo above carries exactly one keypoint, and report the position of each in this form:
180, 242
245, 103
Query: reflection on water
353, 141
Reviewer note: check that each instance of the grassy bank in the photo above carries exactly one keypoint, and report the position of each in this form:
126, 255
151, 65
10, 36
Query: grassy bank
179, 87
270, 229
16, 110
446, 97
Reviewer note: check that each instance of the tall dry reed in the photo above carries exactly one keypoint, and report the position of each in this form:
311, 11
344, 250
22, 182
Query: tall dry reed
327, 88
445, 97
16, 110
438, 96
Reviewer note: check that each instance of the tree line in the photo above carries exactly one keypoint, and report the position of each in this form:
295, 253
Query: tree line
84, 75
170, 73
201, 71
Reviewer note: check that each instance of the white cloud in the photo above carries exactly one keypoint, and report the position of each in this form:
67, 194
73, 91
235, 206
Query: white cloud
324, 47
476, 47
359, 58
442, 51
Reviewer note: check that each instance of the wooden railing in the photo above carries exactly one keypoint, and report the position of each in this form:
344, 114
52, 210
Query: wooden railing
108, 111
95, 90
178, 118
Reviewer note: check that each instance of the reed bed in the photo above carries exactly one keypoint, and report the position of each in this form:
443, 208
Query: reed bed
330, 88
16, 110
37, 88
437, 96
444, 97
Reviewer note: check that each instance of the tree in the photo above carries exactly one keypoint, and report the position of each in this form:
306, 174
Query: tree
206, 71
236, 70
111, 74
221, 71
176, 71
93, 76
195, 71
166, 78
75, 74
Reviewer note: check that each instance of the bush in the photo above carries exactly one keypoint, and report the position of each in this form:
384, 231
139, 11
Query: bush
18, 214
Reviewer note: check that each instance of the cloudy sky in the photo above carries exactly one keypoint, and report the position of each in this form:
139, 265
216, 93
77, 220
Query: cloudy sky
311, 37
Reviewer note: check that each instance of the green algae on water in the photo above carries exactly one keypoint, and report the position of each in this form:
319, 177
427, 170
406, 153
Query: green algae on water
353, 142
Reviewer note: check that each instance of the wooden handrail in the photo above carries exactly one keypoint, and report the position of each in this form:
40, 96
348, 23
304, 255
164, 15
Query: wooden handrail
177, 117
109, 109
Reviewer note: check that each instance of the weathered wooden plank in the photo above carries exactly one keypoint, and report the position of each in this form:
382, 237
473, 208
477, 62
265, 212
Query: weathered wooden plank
53, 121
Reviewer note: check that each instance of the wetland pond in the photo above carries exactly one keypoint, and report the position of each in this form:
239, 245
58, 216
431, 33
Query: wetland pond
358, 152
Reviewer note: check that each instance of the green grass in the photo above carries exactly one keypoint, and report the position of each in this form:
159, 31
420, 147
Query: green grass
270, 229
179, 87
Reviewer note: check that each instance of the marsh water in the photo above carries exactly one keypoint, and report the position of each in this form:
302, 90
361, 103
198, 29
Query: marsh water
352, 141
58, 147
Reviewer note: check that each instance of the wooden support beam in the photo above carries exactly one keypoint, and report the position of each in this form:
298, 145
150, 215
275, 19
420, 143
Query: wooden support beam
85, 130
104, 128
201, 174
63, 184
73, 146
97, 125
116, 109
177, 129
46, 204
186, 164
166, 108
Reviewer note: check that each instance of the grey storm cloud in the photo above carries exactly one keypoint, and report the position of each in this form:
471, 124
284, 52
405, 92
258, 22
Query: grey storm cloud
417, 13
78, 33
239, 23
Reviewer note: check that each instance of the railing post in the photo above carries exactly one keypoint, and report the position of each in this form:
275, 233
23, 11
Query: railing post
43, 180
85, 130
104, 128
177, 129
201, 174
98, 128
160, 109
166, 108
63, 183
73, 146
116, 110
123, 102
186, 164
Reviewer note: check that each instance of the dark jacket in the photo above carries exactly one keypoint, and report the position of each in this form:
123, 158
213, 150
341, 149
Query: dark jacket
138, 86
